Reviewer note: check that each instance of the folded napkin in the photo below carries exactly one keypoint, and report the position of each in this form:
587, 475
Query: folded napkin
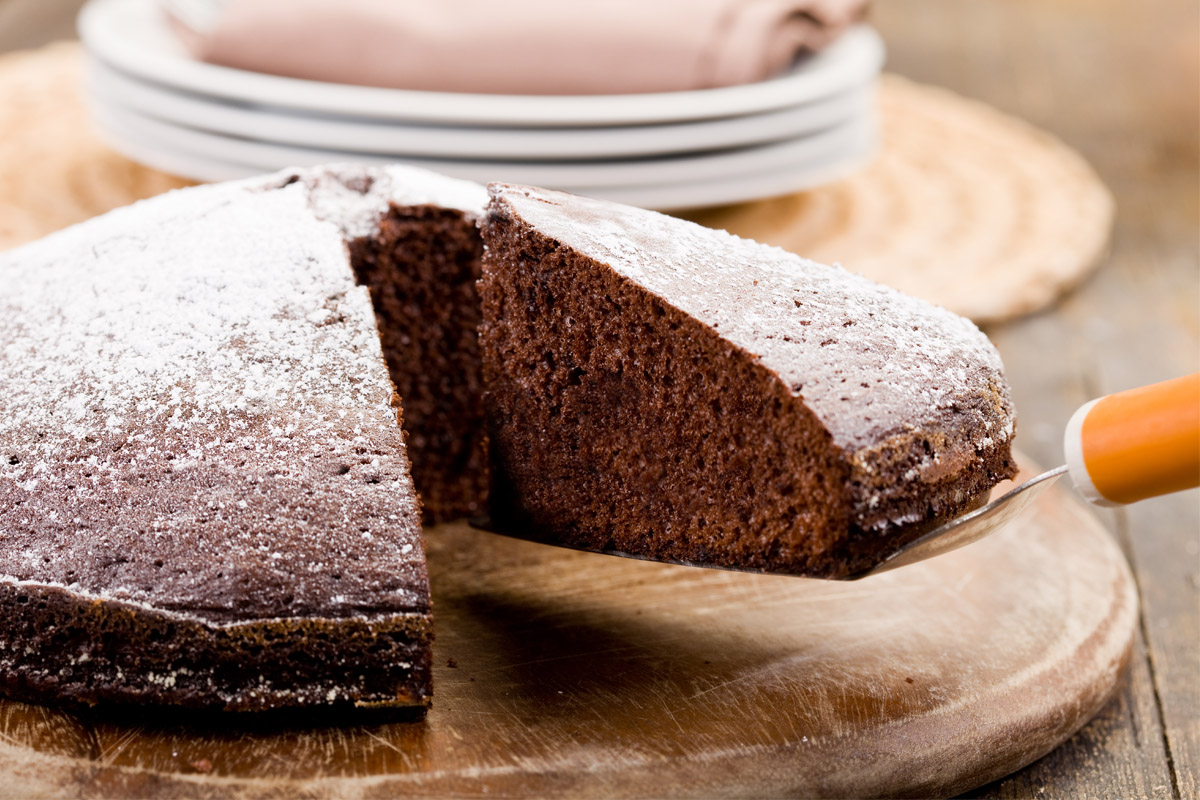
515, 46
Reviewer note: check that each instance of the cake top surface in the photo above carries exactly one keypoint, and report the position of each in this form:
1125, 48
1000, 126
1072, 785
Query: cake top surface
871, 362
355, 197
195, 414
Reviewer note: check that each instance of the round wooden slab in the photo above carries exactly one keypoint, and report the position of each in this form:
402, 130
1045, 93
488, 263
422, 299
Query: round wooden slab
964, 206
561, 673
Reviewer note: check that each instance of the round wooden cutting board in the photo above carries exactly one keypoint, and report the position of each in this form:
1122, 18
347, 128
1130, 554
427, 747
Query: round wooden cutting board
561, 673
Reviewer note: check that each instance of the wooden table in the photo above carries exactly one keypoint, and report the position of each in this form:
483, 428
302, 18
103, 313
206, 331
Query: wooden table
1121, 83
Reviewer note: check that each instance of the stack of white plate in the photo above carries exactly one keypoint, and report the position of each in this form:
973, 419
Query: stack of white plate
672, 150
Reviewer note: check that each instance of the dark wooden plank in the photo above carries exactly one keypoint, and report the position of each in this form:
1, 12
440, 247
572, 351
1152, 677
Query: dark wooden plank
1120, 82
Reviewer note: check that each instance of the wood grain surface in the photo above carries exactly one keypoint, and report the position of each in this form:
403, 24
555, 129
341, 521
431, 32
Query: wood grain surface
1120, 83
571, 674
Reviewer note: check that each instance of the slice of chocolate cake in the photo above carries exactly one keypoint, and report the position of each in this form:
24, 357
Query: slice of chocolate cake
204, 492
674, 392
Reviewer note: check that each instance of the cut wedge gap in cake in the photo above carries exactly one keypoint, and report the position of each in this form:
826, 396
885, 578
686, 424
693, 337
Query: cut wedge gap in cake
421, 266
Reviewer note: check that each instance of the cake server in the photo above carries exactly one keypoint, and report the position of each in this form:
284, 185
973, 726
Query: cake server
1121, 448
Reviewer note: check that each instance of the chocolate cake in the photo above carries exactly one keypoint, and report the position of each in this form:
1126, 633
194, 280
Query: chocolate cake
205, 496
674, 392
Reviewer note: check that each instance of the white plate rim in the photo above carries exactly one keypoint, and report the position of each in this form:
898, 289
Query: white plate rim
672, 196
829, 144
113, 88
854, 58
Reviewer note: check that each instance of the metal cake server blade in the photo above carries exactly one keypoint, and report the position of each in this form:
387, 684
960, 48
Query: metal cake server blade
970, 527
958, 532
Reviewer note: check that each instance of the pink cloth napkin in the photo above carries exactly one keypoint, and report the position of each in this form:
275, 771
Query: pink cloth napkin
521, 46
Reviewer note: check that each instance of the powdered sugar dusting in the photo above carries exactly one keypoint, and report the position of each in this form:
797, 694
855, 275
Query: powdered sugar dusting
871, 362
195, 413
355, 197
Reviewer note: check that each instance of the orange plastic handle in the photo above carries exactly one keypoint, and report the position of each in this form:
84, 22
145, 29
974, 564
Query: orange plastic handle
1137, 444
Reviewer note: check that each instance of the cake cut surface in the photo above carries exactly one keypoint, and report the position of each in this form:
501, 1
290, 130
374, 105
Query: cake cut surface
670, 391
421, 266
205, 497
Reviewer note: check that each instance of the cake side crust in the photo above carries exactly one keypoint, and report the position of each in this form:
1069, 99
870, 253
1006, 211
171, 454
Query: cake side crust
59, 644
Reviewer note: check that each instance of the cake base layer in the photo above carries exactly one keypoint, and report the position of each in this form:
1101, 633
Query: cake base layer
106, 652
205, 497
